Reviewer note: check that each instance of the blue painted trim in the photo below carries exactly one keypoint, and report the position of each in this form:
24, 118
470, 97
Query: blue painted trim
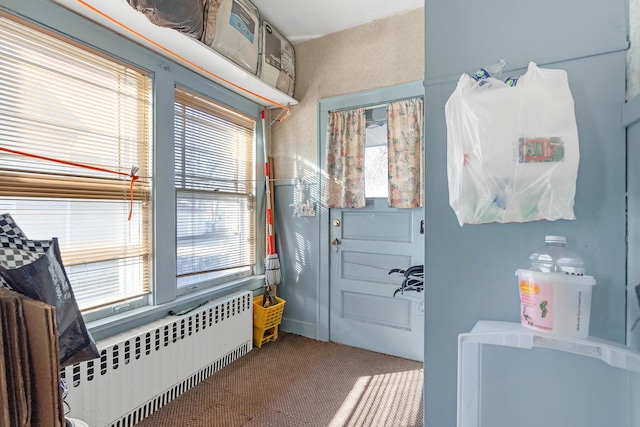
107, 327
359, 99
631, 112
371, 97
322, 291
434, 81
164, 193
299, 327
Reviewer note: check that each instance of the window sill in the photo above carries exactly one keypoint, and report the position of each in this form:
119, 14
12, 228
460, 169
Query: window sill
112, 325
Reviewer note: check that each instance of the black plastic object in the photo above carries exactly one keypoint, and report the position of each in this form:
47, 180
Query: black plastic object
413, 279
185, 16
45, 279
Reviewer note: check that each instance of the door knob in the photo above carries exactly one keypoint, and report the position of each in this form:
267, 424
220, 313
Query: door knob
335, 242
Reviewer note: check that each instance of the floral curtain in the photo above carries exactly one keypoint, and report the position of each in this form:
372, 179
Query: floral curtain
344, 164
405, 132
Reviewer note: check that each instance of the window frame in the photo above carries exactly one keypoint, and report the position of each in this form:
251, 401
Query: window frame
377, 110
111, 320
204, 280
113, 138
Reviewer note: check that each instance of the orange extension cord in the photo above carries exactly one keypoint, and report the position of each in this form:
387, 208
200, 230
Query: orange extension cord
133, 176
183, 59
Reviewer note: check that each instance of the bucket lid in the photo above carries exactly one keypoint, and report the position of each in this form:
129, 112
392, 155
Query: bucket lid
555, 277
555, 239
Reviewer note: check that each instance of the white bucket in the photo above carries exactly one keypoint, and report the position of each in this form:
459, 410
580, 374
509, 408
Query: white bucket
555, 302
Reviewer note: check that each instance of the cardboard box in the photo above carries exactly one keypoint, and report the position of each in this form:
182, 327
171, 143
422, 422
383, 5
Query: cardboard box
32, 366
46, 399
4, 403
16, 359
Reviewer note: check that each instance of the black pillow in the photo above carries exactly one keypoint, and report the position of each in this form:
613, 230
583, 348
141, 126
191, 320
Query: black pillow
45, 279
185, 16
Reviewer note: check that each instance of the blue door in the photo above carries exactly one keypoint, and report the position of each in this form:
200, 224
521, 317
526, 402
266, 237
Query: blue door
356, 302
366, 244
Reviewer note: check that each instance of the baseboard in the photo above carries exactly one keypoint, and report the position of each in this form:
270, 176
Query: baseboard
298, 327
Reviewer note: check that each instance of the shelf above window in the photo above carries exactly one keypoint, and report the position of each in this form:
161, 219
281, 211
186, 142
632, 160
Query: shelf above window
120, 17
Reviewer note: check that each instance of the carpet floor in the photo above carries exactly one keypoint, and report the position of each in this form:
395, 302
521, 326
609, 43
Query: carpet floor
296, 381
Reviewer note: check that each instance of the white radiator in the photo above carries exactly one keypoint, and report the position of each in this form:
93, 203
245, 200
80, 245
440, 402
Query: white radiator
145, 368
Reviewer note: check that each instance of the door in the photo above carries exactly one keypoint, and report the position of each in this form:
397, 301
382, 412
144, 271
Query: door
366, 244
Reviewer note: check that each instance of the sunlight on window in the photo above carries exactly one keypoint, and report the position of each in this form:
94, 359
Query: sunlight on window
214, 166
393, 399
376, 175
87, 117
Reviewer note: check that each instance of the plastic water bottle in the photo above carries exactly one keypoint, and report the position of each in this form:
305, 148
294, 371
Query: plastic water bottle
554, 257
493, 70
511, 81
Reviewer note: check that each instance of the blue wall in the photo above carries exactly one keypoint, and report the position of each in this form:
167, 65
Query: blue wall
470, 269
297, 248
631, 118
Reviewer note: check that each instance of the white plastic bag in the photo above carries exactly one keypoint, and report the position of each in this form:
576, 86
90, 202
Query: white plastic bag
512, 151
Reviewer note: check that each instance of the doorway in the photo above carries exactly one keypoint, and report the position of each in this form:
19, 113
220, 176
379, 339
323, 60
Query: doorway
358, 302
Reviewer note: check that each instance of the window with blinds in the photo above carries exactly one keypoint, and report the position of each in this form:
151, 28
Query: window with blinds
74, 123
214, 173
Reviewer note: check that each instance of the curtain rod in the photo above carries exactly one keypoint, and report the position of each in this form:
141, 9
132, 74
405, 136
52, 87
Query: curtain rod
367, 108
374, 106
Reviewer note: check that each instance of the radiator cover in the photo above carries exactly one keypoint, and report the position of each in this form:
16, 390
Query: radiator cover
145, 368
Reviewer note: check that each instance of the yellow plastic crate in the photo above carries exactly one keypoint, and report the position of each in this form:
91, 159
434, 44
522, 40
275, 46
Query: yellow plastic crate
262, 336
266, 320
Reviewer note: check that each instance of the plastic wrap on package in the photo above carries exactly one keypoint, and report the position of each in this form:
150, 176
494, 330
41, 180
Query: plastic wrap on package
211, 9
232, 28
277, 60
186, 16
512, 149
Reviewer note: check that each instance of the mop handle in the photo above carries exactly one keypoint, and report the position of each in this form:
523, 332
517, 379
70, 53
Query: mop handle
271, 245
270, 242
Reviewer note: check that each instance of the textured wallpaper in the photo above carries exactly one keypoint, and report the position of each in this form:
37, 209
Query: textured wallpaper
379, 54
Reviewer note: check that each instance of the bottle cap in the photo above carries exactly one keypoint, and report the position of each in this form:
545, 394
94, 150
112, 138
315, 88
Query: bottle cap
555, 239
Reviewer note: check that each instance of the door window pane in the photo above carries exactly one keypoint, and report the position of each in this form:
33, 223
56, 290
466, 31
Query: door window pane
376, 169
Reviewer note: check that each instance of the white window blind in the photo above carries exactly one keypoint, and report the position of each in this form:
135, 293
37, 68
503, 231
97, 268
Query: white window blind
64, 102
214, 172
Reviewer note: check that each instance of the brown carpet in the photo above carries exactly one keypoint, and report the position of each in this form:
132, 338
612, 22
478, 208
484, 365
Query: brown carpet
296, 381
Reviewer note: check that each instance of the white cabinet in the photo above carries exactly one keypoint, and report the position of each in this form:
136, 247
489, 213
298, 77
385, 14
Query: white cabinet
509, 375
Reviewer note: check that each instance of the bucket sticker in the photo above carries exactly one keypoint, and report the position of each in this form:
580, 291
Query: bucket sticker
536, 305
538, 150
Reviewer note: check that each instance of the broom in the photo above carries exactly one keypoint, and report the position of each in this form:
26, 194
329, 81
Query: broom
271, 263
